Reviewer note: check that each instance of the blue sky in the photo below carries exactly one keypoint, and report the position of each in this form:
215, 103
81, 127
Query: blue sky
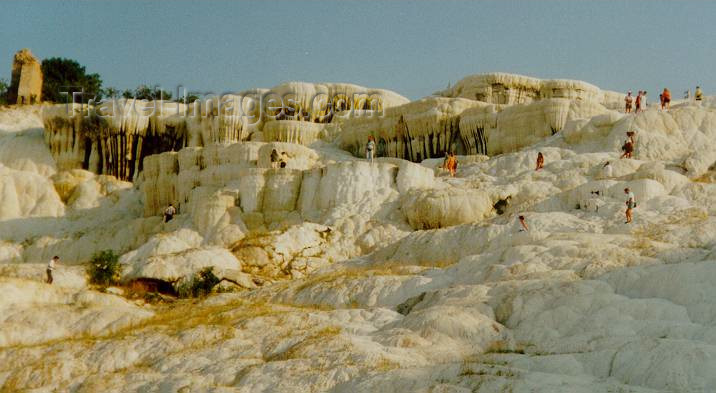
414, 48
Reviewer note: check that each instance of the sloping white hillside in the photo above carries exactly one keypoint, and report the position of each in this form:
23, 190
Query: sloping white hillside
392, 276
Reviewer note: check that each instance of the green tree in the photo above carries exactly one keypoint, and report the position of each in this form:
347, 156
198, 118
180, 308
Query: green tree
110, 92
146, 92
189, 98
67, 75
3, 91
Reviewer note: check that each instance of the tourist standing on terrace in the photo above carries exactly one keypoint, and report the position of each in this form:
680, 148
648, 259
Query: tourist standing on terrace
665, 99
522, 227
637, 102
370, 148
628, 146
169, 213
450, 163
627, 102
698, 95
540, 161
608, 170
51, 268
630, 204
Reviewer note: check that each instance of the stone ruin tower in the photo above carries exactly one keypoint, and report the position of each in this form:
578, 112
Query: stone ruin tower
26, 82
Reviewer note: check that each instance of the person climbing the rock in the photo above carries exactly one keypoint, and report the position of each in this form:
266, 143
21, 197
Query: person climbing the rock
169, 213
628, 146
665, 99
274, 159
607, 170
627, 102
51, 267
284, 160
523, 224
370, 148
630, 204
540, 161
698, 95
637, 102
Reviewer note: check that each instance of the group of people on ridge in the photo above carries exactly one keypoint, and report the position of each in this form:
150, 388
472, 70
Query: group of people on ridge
639, 102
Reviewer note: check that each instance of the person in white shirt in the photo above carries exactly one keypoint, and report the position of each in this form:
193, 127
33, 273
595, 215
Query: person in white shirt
607, 170
643, 100
630, 204
169, 213
51, 267
369, 148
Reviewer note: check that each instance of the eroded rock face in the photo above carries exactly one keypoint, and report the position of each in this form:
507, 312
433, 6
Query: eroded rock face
415, 131
176, 178
113, 137
482, 114
487, 131
509, 89
440, 208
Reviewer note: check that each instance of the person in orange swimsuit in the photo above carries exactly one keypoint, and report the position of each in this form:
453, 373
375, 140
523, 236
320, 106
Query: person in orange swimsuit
665, 99
451, 164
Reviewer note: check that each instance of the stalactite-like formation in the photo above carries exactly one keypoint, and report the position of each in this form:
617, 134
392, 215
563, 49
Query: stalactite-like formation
415, 131
489, 131
300, 132
499, 113
114, 138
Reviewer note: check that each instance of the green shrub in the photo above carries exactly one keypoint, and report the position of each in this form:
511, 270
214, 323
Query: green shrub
4, 89
104, 269
200, 285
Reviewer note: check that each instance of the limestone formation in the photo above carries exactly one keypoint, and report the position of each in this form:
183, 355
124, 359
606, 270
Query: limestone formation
482, 114
345, 275
113, 137
489, 131
510, 89
415, 131
26, 79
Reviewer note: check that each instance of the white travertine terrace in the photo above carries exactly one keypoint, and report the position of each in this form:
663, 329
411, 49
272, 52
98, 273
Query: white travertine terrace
415, 131
340, 275
481, 114
485, 130
113, 137
299, 132
510, 89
